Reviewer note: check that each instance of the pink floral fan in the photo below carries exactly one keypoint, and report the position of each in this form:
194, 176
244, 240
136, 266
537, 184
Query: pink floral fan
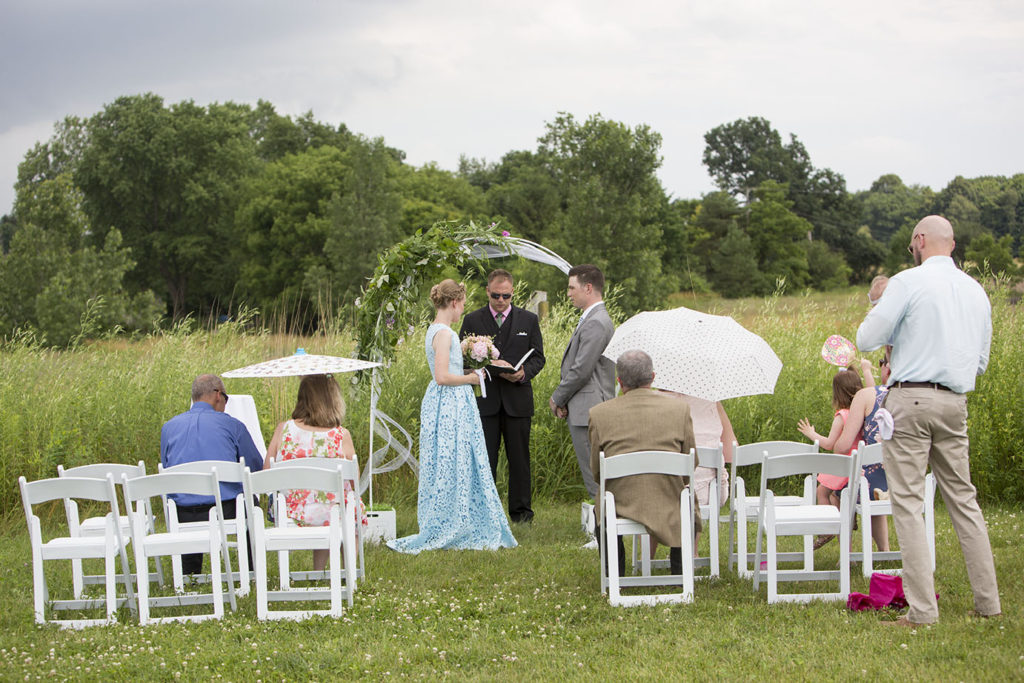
839, 351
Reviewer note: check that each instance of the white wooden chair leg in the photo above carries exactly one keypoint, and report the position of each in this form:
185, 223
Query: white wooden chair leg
216, 578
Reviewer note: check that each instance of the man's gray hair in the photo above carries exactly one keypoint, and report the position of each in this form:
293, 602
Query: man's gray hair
635, 369
206, 384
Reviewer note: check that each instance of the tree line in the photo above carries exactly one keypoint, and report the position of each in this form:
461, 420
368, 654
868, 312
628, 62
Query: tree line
147, 212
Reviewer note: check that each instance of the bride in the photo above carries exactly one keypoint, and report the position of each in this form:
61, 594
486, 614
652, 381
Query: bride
458, 506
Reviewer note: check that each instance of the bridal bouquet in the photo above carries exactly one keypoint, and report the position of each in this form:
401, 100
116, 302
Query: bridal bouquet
477, 353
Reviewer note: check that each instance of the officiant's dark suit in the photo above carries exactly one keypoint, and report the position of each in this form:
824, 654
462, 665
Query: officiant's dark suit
507, 412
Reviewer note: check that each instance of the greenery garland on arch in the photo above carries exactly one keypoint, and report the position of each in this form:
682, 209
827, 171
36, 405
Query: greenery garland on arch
388, 306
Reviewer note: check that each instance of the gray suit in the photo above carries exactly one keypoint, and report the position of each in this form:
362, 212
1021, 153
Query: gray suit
588, 378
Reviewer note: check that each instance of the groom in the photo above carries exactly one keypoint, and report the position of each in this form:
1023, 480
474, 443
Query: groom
588, 378
508, 409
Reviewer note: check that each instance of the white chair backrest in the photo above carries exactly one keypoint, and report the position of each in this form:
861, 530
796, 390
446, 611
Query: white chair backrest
200, 484
226, 471
646, 462
286, 478
100, 470
753, 453
870, 454
88, 488
350, 470
710, 457
776, 466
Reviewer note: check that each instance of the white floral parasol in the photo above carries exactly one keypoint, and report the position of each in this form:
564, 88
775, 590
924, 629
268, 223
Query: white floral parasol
711, 357
302, 364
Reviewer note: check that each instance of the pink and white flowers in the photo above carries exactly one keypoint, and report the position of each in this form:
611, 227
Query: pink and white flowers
478, 351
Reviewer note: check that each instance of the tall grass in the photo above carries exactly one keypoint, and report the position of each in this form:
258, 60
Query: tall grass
106, 401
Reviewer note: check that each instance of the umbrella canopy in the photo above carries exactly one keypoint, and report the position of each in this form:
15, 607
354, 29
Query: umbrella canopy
301, 364
711, 357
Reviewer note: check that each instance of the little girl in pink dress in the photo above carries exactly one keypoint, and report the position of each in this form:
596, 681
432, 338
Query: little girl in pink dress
845, 384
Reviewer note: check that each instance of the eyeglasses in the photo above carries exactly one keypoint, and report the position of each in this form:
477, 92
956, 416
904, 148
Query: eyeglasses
496, 296
910, 247
221, 391
882, 362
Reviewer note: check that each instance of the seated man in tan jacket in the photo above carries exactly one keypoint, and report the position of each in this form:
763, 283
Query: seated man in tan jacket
641, 419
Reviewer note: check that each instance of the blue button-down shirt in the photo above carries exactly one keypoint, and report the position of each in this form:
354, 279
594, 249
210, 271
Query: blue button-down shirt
205, 434
939, 322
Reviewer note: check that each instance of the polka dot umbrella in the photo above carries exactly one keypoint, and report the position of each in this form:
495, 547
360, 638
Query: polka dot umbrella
711, 357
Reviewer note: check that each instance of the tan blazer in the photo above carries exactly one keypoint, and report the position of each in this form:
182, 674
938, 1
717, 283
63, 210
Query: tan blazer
644, 420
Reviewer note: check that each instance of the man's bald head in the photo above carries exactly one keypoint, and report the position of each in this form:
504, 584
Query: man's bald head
932, 236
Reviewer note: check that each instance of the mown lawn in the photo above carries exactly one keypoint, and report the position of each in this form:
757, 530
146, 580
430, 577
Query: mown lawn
534, 612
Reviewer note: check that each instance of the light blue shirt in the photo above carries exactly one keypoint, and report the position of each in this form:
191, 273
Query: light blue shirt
939, 322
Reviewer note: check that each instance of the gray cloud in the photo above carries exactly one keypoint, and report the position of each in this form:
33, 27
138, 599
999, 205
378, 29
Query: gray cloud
925, 90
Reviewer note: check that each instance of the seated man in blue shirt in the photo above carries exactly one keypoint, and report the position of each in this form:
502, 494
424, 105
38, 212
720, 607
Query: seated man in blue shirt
206, 432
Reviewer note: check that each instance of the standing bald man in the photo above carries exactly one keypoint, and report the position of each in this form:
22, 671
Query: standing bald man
939, 322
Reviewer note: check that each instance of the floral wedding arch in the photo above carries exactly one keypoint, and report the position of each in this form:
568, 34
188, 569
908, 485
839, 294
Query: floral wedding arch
388, 309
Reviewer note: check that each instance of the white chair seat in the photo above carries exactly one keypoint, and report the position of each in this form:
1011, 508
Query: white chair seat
805, 520
179, 542
174, 542
744, 508
82, 547
868, 509
106, 547
612, 526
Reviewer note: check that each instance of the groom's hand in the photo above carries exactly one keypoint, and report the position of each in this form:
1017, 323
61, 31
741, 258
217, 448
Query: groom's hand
516, 376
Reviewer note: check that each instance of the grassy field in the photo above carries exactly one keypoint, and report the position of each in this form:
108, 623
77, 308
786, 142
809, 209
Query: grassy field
534, 612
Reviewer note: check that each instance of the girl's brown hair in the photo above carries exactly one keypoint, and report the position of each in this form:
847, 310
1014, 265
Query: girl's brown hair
845, 384
319, 403
445, 292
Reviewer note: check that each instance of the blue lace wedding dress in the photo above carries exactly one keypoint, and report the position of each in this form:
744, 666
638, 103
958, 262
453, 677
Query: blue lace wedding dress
458, 506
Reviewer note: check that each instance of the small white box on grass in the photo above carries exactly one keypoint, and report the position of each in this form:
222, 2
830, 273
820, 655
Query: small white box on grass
380, 526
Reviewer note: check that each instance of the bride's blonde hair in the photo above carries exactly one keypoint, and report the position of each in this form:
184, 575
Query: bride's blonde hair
445, 292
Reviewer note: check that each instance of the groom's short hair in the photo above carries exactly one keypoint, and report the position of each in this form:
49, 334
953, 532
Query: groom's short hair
587, 274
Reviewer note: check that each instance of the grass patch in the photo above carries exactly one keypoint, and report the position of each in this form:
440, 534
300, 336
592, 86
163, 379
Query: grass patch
533, 612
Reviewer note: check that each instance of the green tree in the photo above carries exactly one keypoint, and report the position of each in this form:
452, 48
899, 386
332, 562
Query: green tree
613, 202
365, 214
283, 224
987, 254
431, 194
827, 267
167, 178
778, 235
742, 155
733, 267
888, 204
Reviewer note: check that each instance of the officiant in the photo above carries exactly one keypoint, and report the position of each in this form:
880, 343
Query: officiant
507, 410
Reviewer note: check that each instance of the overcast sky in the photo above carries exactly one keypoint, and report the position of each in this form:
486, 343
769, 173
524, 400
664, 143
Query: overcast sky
926, 90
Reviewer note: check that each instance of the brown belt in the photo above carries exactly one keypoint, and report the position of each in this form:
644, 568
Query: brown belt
922, 385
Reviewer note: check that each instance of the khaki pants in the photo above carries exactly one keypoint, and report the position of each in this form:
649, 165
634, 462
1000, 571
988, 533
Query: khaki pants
931, 429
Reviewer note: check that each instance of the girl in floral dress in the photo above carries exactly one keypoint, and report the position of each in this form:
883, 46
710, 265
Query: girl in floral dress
315, 431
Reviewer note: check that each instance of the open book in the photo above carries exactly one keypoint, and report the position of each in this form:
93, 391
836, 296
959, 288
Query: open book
503, 369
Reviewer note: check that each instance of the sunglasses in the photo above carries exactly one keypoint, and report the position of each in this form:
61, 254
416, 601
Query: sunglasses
222, 393
882, 363
496, 296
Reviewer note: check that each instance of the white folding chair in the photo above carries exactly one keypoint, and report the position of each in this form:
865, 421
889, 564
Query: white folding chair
612, 526
280, 513
805, 520
212, 540
743, 506
238, 527
710, 514
106, 546
337, 538
95, 526
868, 508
